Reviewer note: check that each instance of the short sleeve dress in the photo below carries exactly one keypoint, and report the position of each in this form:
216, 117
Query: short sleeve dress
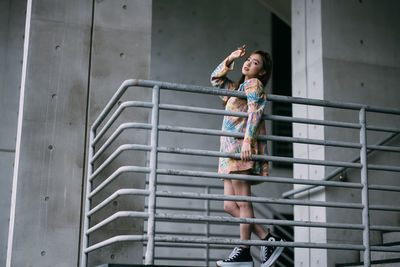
251, 126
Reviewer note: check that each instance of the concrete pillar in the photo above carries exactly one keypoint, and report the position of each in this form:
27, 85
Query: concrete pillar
307, 82
46, 201
121, 49
189, 39
78, 53
361, 64
344, 51
12, 25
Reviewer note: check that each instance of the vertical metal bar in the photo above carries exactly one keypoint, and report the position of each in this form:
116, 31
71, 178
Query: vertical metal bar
149, 258
364, 191
85, 237
207, 208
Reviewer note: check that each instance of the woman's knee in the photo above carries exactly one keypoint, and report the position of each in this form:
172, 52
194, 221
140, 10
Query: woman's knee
231, 207
245, 205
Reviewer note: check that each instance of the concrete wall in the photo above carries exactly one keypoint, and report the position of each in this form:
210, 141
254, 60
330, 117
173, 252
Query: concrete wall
71, 72
49, 181
120, 50
189, 39
307, 81
361, 64
345, 51
12, 25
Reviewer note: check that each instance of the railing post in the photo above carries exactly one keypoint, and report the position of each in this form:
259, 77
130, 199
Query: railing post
364, 191
207, 225
149, 259
85, 237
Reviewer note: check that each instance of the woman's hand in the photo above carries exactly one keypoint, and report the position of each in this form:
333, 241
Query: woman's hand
238, 53
246, 153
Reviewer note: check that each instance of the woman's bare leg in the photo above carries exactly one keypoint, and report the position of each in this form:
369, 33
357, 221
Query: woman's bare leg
238, 187
242, 188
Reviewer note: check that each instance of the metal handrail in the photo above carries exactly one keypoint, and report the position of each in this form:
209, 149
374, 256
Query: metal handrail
337, 171
154, 149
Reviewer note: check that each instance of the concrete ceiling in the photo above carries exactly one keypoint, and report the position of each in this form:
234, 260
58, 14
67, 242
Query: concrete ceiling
281, 8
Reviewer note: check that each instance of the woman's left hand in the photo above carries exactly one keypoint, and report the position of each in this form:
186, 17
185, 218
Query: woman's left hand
246, 151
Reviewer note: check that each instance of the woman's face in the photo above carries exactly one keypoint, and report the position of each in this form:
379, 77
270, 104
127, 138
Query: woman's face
252, 67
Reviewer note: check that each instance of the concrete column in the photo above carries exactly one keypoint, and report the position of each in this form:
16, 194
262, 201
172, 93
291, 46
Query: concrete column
121, 49
344, 51
361, 64
179, 56
78, 53
45, 211
12, 22
308, 82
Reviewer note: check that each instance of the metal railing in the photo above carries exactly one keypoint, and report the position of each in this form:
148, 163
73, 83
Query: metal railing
208, 209
153, 149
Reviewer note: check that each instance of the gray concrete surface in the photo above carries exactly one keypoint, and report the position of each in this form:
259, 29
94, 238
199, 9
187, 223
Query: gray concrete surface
47, 211
361, 64
307, 81
352, 59
120, 51
12, 25
66, 70
189, 39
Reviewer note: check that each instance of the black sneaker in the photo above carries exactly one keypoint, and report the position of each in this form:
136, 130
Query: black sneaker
269, 254
239, 257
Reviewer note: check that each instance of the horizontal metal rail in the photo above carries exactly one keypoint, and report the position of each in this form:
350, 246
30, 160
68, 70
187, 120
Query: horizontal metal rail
191, 259
199, 152
115, 107
203, 131
237, 198
212, 111
116, 133
259, 200
213, 210
192, 233
341, 169
115, 195
118, 112
218, 219
211, 175
115, 216
384, 148
116, 239
275, 201
257, 243
160, 238
118, 172
385, 228
384, 187
115, 154
383, 129
270, 97
383, 168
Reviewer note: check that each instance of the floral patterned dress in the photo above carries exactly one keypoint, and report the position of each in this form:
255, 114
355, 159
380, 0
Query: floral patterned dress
251, 126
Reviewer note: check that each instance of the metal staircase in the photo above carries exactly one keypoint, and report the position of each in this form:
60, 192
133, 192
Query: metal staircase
208, 216
381, 259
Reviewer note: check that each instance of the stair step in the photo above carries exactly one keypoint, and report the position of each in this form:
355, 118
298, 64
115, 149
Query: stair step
377, 256
391, 238
132, 265
376, 263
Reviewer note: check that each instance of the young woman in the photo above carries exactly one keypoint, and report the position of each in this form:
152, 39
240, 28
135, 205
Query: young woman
256, 72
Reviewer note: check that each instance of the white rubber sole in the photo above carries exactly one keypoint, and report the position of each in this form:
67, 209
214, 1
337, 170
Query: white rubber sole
234, 264
278, 251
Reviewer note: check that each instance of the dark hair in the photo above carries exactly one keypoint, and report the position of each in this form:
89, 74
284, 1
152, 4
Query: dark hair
267, 66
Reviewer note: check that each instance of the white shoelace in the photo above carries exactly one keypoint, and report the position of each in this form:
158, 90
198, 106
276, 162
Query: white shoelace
234, 253
264, 249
